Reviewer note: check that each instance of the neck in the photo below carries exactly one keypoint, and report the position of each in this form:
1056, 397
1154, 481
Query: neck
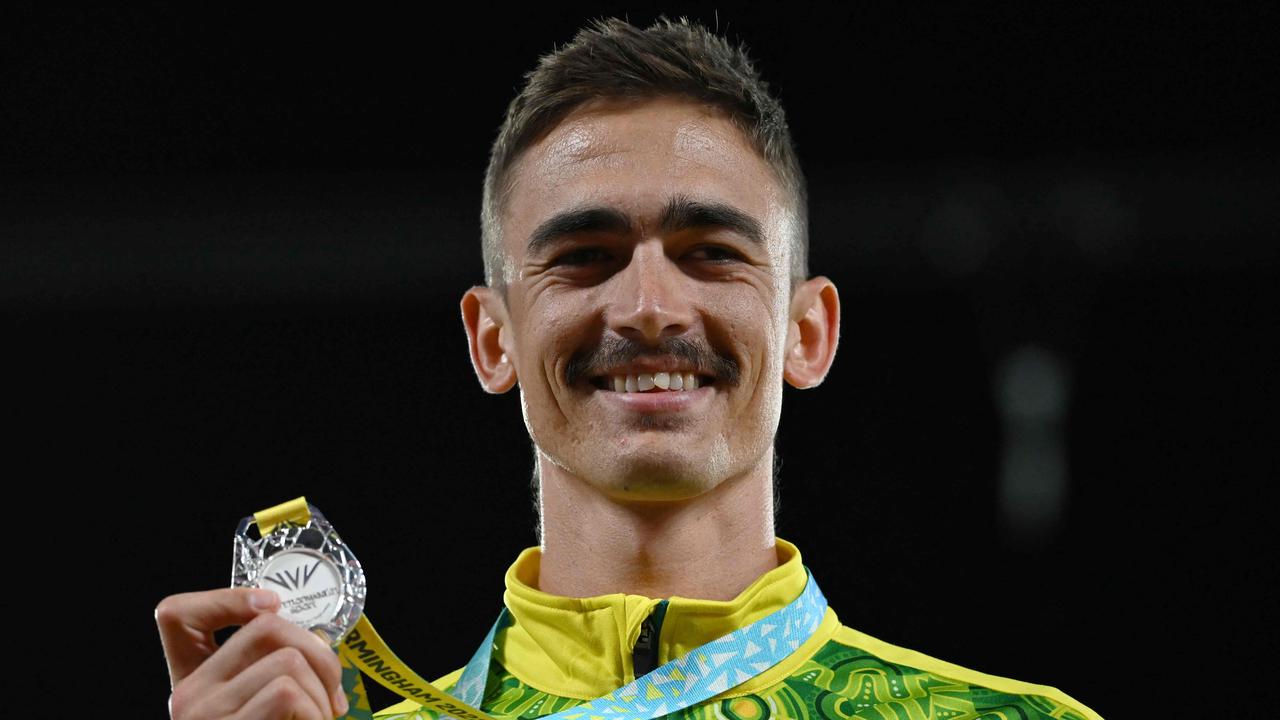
709, 547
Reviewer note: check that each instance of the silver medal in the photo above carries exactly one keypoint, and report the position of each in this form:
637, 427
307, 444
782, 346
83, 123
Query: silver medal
319, 581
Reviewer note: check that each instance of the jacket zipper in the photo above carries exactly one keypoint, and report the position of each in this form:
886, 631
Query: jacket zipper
644, 656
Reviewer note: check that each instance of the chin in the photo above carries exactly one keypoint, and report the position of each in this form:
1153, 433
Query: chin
661, 479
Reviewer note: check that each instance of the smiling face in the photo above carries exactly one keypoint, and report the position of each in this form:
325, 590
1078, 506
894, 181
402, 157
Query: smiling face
647, 247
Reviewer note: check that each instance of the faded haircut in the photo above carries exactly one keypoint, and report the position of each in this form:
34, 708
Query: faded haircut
615, 60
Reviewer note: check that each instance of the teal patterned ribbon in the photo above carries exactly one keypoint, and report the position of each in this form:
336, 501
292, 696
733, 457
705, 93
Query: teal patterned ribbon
704, 672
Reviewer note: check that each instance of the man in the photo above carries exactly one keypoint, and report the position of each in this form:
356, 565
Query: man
645, 239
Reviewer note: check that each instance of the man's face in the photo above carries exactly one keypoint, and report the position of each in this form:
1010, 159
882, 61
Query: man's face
644, 280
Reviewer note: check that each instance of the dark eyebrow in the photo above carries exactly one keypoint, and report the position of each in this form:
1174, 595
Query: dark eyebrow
682, 213
587, 219
679, 214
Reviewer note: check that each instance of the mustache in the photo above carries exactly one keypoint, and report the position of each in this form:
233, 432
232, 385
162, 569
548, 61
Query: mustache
616, 350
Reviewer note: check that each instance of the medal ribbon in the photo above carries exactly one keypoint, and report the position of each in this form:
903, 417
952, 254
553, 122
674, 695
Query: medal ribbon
702, 673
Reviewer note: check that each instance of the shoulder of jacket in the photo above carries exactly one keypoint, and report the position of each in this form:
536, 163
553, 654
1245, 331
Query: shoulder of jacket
897, 655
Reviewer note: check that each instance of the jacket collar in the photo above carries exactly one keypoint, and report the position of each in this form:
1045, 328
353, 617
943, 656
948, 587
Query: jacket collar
582, 647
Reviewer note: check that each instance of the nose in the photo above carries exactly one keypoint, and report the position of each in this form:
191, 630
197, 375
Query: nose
650, 300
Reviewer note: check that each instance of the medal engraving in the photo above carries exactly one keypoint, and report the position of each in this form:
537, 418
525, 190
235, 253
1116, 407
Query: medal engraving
308, 584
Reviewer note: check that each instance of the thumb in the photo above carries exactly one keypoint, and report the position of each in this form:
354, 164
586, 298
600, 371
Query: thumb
187, 622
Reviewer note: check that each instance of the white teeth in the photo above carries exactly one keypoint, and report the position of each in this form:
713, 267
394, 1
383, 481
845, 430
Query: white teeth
642, 382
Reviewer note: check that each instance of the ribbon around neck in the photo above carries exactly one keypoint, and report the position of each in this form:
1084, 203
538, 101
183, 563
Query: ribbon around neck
702, 673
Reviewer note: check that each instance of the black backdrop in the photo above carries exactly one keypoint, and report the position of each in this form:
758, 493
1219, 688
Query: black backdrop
234, 240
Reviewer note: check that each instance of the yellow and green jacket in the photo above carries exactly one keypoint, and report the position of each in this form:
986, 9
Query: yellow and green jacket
561, 651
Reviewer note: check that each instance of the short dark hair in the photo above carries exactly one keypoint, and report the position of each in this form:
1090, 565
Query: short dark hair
614, 59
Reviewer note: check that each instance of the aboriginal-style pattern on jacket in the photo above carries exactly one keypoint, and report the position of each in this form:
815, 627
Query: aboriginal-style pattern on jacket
840, 682
557, 650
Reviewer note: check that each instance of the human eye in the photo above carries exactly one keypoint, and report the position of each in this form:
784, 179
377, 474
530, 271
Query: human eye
581, 256
715, 253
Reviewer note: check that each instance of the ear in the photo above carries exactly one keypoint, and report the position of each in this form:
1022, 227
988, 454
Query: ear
813, 333
485, 317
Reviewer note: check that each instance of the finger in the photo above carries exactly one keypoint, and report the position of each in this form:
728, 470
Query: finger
187, 622
287, 661
280, 699
264, 635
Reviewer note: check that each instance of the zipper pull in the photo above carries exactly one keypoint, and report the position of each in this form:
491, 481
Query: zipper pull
644, 656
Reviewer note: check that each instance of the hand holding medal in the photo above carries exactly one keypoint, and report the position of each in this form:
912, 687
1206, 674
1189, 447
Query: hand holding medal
270, 667
300, 557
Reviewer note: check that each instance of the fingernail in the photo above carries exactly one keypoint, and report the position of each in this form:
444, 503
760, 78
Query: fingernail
262, 599
340, 702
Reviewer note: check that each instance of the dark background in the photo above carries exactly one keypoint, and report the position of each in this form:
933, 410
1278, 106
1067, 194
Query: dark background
233, 242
